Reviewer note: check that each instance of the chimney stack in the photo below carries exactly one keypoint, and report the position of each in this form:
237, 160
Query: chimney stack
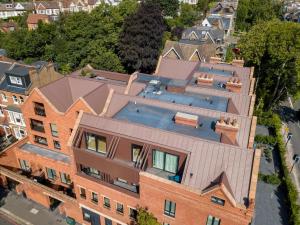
238, 62
234, 85
205, 79
186, 119
228, 129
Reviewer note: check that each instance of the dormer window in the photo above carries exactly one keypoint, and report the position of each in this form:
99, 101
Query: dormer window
15, 80
4, 97
217, 200
8, 5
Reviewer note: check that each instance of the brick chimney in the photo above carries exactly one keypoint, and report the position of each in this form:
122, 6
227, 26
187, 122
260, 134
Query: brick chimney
186, 119
205, 79
234, 85
215, 60
228, 129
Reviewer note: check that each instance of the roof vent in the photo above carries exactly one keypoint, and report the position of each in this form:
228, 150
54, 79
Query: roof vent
234, 85
186, 119
205, 79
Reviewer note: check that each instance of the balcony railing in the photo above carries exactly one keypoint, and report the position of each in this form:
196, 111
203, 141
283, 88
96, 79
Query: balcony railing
39, 111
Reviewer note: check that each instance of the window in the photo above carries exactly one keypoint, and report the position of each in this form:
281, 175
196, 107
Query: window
106, 202
1, 111
15, 80
94, 197
21, 99
37, 125
71, 130
217, 200
40, 140
108, 221
133, 213
82, 192
22, 133
56, 144
170, 208
51, 173
213, 220
15, 99
24, 165
120, 208
86, 216
16, 118
135, 151
65, 178
53, 128
165, 161
39, 109
95, 143
91, 172
166, 223
4, 97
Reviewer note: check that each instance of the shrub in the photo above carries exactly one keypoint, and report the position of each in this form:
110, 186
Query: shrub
270, 179
265, 139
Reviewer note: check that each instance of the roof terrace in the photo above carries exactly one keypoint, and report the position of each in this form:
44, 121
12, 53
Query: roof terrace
212, 70
157, 89
162, 118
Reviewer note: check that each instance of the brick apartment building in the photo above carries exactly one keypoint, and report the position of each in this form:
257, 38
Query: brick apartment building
16, 82
179, 142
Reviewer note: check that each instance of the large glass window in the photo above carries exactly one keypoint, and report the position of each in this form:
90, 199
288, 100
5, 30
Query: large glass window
165, 161
135, 151
108, 221
133, 213
53, 128
213, 220
40, 140
106, 202
95, 143
39, 109
170, 208
51, 173
37, 125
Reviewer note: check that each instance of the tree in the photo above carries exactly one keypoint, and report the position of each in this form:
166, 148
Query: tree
276, 58
188, 15
168, 7
145, 218
250, 12
141, 38
202, 6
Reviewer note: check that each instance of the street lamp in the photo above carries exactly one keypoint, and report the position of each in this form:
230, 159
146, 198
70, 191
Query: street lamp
296, 159
289, 137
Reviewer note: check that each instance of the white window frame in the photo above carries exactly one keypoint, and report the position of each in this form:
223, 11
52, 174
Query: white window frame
15, 100
15, 80
12, 118
4, 97
1, 111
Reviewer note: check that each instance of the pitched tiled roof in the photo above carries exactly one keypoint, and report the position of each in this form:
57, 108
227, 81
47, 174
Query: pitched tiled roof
35, 18
186, 51
200, 31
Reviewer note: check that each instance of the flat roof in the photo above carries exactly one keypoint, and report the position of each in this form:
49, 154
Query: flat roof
162, 118
159, 92
213, 70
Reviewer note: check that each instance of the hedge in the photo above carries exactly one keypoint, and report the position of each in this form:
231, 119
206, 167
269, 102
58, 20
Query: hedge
265, 139
292, 194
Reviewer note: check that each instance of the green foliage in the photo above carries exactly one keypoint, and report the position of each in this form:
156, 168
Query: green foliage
229, 55
188, 15
265, 139
250, 12
276, 58
146, 218
269, 179
75, 40
168, 7
203, 6
141, 38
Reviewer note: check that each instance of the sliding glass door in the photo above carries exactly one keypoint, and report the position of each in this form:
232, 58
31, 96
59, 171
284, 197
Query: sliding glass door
165, 161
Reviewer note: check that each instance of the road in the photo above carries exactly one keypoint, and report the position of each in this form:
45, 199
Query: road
6, 221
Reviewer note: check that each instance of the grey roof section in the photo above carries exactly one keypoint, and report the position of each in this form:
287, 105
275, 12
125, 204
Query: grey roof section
225, 21
39, 65
13, 108
200, 31
163, 118
18, 70
208, 159
46, 153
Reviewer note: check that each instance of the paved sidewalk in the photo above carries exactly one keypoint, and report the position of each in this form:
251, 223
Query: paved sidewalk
26, 212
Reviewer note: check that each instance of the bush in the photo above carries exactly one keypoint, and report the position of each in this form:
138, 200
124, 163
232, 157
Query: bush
270, 179
270, 140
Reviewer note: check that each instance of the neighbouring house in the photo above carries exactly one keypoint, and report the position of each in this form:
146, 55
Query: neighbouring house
225, 7
50, 8
6, 27
293, 16
189, 52
34, 19
179, 142
221, 22
13, 9
16, 82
